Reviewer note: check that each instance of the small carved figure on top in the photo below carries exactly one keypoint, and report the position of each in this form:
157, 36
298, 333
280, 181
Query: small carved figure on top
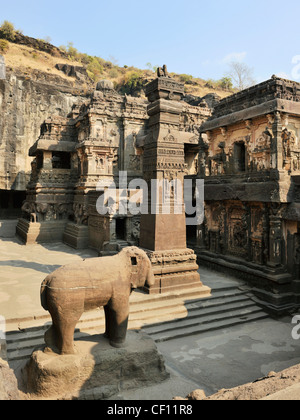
163, 72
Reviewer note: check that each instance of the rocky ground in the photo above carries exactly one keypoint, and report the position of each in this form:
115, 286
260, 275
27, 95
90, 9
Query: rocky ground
8, 383
261, 388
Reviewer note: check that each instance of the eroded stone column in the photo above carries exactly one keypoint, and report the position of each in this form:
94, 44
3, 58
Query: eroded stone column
163, 232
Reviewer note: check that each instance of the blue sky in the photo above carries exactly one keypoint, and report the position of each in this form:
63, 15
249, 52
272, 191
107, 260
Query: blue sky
193, 36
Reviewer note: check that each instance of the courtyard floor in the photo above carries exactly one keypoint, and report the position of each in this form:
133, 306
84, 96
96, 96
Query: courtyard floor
210, 361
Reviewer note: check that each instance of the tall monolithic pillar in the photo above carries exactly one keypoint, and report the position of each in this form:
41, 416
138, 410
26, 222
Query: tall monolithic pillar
163, 229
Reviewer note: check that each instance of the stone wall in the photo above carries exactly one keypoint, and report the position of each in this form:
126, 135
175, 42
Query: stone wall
249, 158
25, 102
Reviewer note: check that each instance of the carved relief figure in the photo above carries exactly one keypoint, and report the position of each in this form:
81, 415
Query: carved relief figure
162, 71
80, 214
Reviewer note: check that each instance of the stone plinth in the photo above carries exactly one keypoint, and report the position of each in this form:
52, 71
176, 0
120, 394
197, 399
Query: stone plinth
97, 371
76, 236
30, 232
173, 270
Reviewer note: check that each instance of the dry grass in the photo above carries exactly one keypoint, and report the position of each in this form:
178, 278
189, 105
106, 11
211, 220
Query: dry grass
26, 59
201, 90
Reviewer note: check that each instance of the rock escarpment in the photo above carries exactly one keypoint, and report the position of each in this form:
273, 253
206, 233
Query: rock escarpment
25, 102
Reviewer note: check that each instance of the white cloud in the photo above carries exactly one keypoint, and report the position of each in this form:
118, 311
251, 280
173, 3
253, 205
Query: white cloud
234, 56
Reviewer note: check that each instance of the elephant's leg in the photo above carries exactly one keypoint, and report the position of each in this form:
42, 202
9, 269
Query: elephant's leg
118, 316
50, 337
107, 312
67, 337
65, 326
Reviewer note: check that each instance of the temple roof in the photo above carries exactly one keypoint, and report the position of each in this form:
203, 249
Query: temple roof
275, 94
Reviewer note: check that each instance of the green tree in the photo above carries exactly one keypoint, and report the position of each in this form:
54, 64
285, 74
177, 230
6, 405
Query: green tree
72, 51
7, 31
210, 83
226, 83
94, 68
132, 83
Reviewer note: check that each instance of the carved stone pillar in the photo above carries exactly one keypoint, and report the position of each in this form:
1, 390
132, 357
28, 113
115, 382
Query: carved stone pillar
163, 235
276, 148
275, 241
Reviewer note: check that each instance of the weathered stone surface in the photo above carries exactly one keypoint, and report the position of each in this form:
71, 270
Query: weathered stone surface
76, 236
95, 282
198, 394
2, 68
73, 71
163, 233
98, 139
24, 104
96, 371
8, 228
105, 85
250, 160
8, 383
37, 44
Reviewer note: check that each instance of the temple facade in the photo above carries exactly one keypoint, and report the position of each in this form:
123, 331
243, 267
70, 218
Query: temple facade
249, 158
100, 139
247, 151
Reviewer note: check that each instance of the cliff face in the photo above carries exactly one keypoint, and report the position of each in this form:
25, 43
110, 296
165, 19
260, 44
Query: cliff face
25, 102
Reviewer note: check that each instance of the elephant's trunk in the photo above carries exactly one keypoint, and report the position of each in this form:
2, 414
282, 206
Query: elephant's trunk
44, 294
150, 280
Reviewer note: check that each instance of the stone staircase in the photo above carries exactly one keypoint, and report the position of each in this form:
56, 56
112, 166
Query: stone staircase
164, 317
227, 307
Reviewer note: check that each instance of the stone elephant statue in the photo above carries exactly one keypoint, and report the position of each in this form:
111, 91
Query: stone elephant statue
89, 284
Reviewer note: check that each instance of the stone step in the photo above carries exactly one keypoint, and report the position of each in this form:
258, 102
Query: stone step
138, 300
144, 309
221, 322
138, 310
23, 350
203, 315
95, 319
162, 316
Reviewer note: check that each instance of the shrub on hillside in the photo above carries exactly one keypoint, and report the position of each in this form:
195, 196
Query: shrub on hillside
94, 69
7, 31
113, 73
225, 83
4, 46
132, 83
185, 78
